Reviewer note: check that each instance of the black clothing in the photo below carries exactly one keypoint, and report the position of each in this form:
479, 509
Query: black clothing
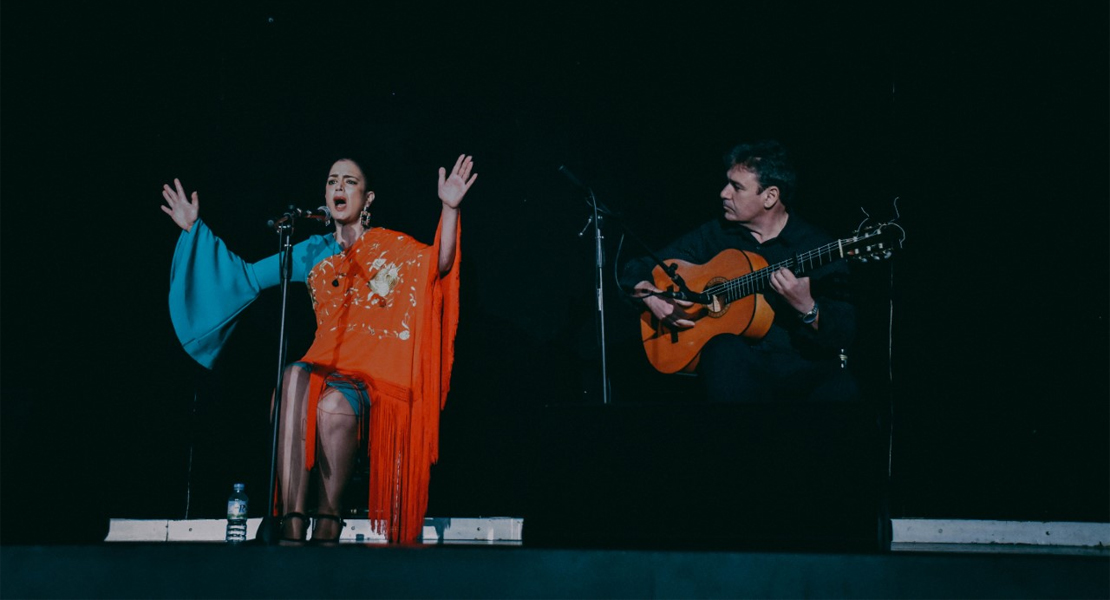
792, 362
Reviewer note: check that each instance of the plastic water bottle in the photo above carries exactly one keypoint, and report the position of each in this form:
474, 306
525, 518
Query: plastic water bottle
237, 514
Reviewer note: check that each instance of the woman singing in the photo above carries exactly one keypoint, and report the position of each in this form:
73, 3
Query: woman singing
378, 370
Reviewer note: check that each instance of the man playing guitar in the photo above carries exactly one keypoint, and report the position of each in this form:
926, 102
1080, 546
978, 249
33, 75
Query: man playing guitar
791, 335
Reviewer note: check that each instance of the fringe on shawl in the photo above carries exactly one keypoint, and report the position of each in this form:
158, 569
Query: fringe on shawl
435, 352
390, 492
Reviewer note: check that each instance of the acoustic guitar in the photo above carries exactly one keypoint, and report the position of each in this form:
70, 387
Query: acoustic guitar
731, 286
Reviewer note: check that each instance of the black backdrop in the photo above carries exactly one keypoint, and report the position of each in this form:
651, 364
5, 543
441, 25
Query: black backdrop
989, 123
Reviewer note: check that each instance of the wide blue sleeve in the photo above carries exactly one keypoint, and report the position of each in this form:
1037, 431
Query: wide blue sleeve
210, 286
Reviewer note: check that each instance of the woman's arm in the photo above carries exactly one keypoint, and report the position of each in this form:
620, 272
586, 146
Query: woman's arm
451, 192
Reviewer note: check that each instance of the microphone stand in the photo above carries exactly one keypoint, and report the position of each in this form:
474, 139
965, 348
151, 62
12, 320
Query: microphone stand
599, 262
600, 212
267, 531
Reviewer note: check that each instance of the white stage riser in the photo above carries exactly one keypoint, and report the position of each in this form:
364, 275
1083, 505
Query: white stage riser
508, 530
471, 530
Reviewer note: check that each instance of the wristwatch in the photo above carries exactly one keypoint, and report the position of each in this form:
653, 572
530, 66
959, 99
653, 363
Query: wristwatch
810, 316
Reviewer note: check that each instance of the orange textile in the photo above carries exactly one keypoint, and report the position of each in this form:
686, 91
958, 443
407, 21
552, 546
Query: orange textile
385, 316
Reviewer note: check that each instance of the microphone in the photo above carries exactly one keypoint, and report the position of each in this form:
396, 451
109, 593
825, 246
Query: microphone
320, 214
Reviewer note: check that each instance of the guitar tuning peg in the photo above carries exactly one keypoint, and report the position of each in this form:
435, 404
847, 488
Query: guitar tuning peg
887, 254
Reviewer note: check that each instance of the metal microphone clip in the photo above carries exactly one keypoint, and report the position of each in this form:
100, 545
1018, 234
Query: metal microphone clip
587, 226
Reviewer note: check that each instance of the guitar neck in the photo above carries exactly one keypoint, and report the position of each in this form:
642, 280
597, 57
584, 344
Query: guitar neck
757, 282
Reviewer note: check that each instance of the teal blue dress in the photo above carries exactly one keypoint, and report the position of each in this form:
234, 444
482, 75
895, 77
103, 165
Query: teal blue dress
210, 286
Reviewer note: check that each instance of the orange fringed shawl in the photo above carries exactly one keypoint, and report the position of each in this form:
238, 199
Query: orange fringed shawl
385, 316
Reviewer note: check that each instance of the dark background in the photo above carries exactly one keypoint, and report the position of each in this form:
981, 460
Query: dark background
986, 338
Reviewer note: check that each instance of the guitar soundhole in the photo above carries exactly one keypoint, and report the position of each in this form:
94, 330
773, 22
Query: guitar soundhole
718, 307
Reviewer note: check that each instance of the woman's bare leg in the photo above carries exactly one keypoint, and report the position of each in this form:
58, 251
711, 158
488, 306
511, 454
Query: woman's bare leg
337, 443
292, 477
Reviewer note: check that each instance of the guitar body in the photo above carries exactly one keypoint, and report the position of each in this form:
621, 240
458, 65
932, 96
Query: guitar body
673, 350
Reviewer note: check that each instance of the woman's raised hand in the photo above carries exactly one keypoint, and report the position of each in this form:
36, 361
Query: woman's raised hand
185, 213
453, 188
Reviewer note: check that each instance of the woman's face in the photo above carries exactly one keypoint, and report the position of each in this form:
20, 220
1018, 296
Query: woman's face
345, 192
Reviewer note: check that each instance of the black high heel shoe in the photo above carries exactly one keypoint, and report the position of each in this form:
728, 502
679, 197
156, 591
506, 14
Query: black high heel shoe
329, 541
294, 541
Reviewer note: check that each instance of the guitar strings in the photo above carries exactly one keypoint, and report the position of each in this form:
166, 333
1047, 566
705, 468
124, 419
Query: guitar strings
756, 281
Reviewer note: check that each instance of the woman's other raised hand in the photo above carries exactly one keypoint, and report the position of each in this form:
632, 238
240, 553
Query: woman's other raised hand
453, 188
183, 211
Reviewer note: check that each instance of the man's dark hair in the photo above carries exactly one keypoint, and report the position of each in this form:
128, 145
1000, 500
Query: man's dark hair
769, 161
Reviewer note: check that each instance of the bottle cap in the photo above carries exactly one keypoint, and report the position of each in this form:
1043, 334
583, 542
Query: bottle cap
238, 487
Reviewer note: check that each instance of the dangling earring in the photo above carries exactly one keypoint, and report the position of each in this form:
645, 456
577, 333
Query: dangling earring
364, 216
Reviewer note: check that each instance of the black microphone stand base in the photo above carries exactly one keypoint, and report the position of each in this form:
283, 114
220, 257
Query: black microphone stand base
269, 531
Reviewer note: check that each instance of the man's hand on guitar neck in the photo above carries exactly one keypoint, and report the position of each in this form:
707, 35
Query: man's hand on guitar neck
795, 290
670, 311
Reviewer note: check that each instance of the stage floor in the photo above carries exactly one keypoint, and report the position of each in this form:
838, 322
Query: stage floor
494, 570
489, 558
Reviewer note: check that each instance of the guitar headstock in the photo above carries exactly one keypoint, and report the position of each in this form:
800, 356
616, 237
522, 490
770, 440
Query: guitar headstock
877, 242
